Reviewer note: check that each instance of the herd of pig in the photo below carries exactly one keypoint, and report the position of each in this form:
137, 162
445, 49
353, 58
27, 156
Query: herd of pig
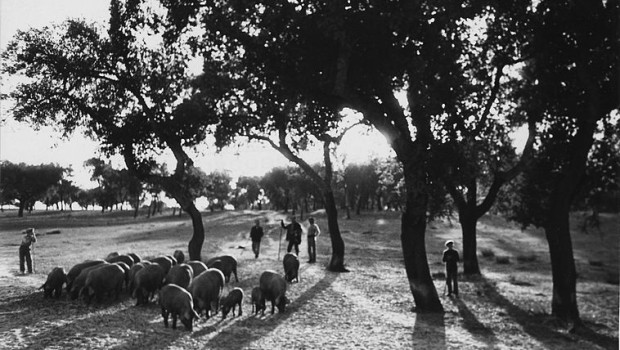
185, 288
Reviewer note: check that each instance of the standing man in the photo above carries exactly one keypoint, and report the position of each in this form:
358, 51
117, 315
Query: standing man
256, 233
293, 234
313, 233
451, 258
24, 250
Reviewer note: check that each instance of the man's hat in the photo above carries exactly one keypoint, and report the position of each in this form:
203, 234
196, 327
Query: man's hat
448, 242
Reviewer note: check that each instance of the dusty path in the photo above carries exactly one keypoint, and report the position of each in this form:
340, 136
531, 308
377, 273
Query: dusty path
368, 308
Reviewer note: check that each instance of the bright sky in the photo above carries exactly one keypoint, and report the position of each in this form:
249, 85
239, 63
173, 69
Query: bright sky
20, 143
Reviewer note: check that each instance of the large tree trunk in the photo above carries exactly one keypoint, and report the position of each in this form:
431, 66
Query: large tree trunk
413, 229
20, 212
468, 222
336, 263
557, 228
195, 243
564, 299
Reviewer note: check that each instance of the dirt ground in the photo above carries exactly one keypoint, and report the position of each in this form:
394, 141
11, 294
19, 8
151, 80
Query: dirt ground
368, 308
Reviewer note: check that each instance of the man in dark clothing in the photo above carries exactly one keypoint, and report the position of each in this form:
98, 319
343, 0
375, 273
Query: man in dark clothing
451, 258
24, 250
293, 235
256, 233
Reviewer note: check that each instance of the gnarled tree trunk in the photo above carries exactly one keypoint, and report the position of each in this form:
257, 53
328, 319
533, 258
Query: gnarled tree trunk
336, 263
413, 230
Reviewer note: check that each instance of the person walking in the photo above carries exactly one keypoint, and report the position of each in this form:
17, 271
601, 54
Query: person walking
313, 233
256, 234
293, 234
24, 250
451, 258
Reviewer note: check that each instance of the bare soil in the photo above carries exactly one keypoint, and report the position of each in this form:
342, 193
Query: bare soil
371, 307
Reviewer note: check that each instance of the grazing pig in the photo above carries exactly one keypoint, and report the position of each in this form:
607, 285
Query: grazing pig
291, 267
123, 258
79, 282
132, 274
258, 302
206, 290
136, 258
106, 279
164, 261
179, 256
227, 264
181, 275
148, 280
197, 266
273, 287
234, 298
178, 302
76, 269
55, 280
126, 269
173, 259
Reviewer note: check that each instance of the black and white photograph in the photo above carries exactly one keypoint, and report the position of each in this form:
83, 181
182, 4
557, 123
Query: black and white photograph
309, 174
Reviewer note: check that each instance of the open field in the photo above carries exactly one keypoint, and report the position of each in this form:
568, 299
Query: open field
370, 307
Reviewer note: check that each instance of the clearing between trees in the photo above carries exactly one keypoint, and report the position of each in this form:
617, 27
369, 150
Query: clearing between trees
507, 307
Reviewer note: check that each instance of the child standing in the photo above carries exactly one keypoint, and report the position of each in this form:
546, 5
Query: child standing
451, 258
24, 250
313, 232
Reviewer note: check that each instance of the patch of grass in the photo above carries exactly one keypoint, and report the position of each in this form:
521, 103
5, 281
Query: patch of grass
612, 278
513, 280
502, 260
523, 258
487, 253
596, 263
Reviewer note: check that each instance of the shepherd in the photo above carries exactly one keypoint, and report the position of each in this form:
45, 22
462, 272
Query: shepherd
30, 238
256, 233
293, 234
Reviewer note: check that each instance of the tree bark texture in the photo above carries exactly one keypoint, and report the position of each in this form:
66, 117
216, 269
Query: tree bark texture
468, 222
336, 262
564, 299
413, 229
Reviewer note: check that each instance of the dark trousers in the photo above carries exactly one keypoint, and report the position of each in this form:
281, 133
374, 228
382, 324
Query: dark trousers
24, 255
256, 248
452, 282
311, 249
292, 244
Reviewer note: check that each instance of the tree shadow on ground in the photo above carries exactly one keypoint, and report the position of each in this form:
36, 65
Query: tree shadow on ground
254, 328
534, 323
49, 323
475, 327
433, 323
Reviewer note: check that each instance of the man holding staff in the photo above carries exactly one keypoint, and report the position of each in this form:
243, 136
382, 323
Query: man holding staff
24, 250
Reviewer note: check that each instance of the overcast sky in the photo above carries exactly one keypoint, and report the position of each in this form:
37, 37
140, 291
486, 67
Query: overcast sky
20, 143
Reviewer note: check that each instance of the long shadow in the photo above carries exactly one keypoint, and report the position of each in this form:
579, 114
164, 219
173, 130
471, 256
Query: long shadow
533, 324
262, 326
433, 323
475, 327
49, 323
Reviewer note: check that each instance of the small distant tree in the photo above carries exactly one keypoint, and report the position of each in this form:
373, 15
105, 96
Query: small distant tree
251, 190
219, 187
276, 186
28, 183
